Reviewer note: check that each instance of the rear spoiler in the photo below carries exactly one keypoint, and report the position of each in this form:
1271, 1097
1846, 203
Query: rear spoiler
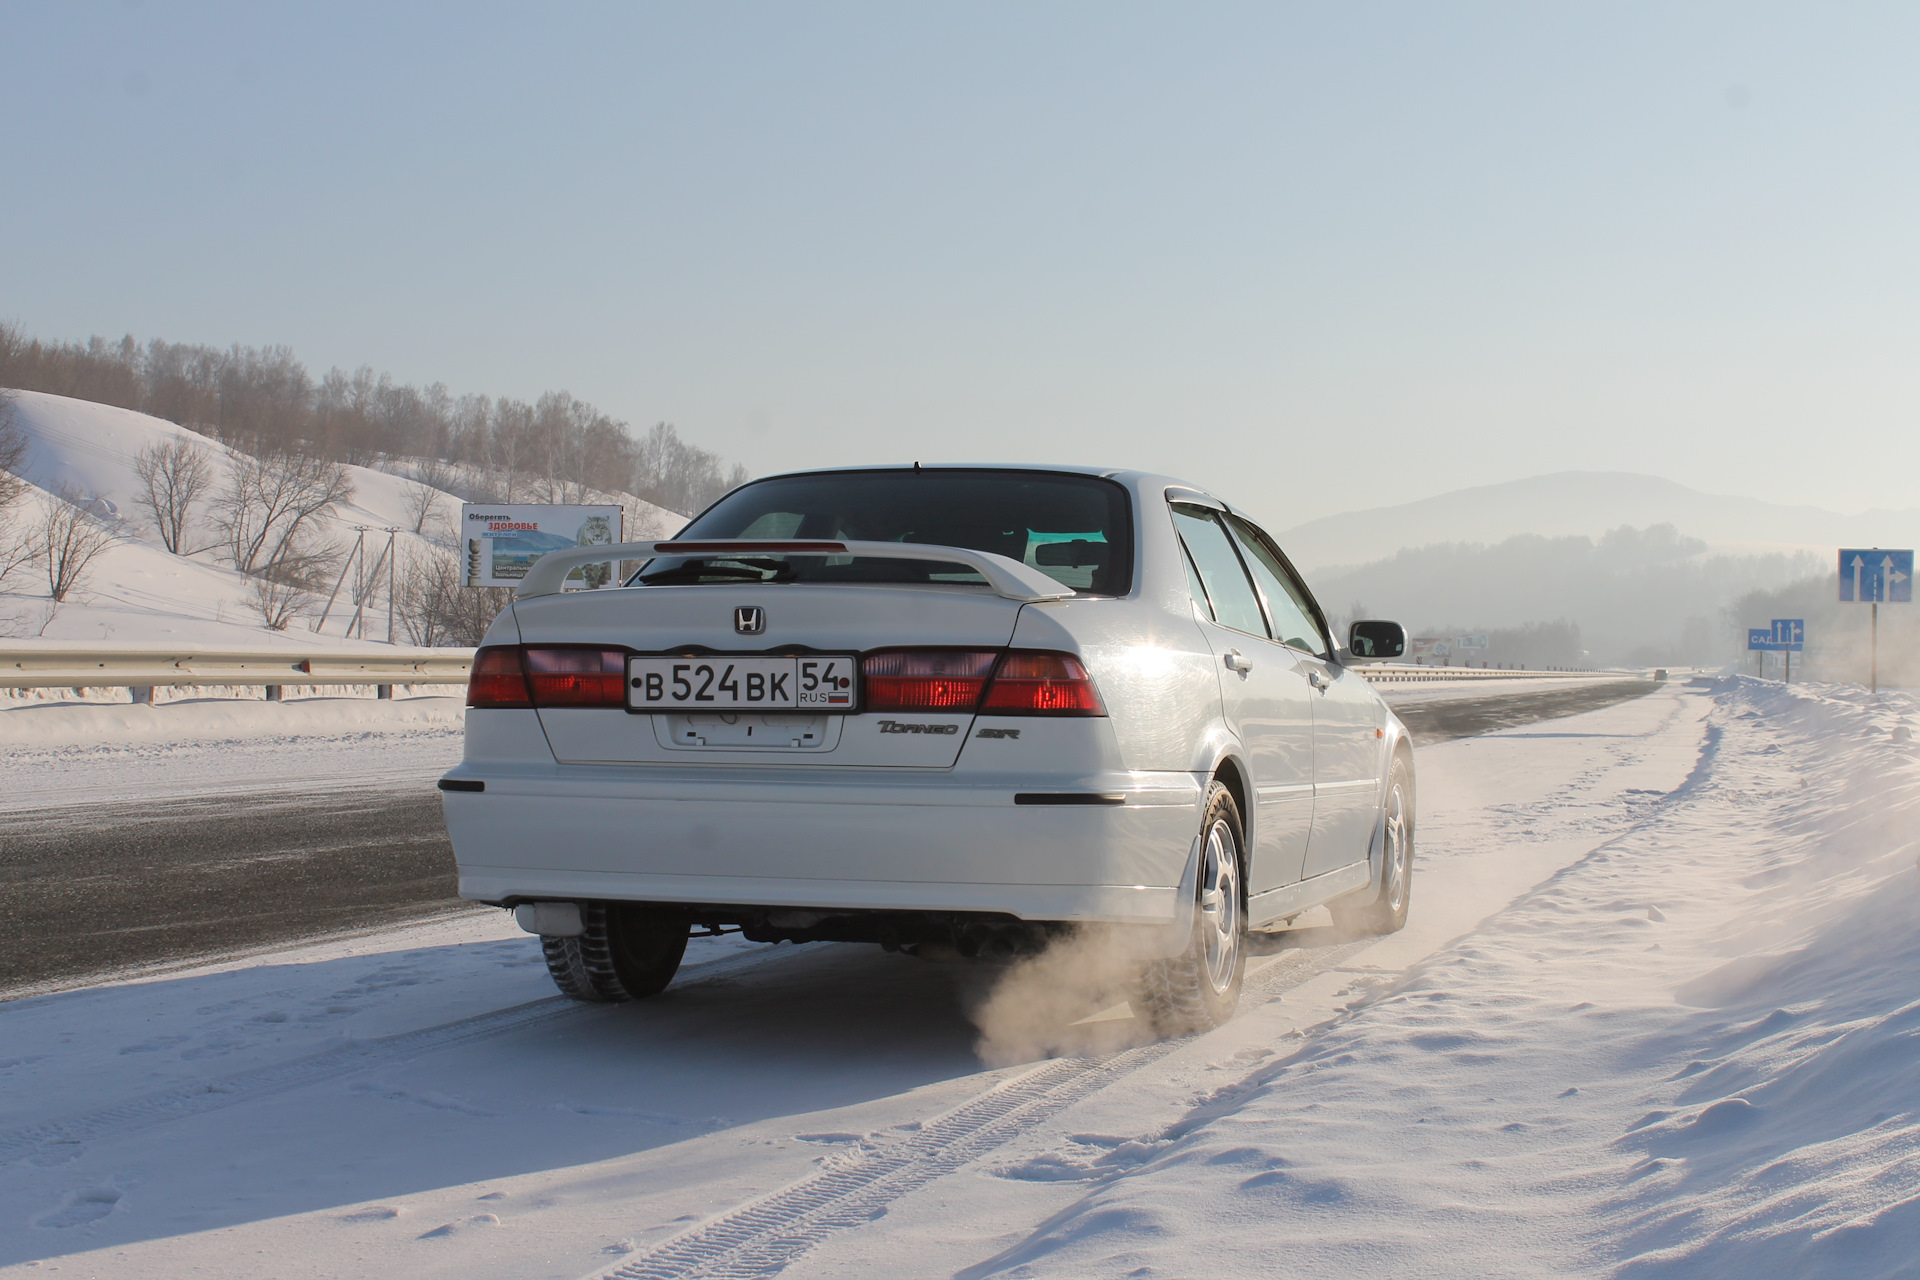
1007, 577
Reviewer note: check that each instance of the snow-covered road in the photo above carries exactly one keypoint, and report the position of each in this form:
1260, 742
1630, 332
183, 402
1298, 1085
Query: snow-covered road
417, 1103
138, 839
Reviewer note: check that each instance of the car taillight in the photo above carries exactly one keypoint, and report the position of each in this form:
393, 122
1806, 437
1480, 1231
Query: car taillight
1032, 683
497, 678
1015, 682
925, 679
523, 676
577, 677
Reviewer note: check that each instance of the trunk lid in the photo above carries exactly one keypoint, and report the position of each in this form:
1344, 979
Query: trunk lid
821, 618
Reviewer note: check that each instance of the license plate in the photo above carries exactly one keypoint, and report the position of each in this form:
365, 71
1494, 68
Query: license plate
810, 682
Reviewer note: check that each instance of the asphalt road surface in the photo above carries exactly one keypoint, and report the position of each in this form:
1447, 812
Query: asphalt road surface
95, 888
98, 888
1439, 720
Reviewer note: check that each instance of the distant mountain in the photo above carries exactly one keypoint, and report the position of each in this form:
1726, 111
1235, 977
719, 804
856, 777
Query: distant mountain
1646, 598
1588, 503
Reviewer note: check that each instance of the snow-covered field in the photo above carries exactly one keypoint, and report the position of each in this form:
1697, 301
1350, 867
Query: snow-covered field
1653, 1016
139, 592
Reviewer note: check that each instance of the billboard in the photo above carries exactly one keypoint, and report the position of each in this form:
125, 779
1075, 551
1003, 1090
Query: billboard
501, 542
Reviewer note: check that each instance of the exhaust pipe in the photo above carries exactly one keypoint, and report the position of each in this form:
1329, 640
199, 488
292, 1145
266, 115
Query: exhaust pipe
550, 919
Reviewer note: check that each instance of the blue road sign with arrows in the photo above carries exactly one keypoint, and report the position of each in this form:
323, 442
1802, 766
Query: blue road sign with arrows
1786, 635
1874, 575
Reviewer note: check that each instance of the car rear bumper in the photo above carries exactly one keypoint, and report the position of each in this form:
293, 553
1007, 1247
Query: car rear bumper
877, 842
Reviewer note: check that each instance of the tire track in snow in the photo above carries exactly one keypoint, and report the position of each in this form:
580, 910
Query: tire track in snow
244, 1086
765, 1235
188, 1100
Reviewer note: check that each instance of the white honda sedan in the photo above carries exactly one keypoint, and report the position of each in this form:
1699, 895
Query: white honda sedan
945, 710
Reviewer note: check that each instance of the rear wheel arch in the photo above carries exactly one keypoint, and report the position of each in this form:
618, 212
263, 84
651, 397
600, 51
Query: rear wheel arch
1230, 774
1199, 988
1381, 907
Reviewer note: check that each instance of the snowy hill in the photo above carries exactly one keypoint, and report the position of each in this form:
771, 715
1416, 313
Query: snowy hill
137, 590
1588, 503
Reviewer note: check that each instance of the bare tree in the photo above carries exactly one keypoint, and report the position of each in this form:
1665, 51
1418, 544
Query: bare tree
435, 606
66, 540
176, 475
288, 585
669, 472
269, 503
16, 548
421, 501
436, 473
13, 449
277, 601
263, 399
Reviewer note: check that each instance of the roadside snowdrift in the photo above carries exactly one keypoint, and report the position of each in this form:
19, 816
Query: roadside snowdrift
1696, 1052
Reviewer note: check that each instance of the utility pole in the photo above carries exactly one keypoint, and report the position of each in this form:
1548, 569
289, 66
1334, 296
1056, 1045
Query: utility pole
352, 557
373, 580
391, 534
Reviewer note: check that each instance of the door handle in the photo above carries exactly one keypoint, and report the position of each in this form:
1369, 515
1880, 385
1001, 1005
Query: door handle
1235, 662
1318, 679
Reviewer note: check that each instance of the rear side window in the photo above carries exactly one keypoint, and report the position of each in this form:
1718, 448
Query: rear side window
1229, 592
1293, 620
1076, 529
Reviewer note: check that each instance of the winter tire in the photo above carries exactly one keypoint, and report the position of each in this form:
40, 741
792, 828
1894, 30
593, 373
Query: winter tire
1386, 910
628, 951
1198, 989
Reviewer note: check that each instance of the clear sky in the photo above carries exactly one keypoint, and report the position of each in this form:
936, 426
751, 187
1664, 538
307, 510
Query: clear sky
1317, 257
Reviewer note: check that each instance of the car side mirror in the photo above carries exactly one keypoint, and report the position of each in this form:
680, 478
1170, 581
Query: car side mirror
1376, 640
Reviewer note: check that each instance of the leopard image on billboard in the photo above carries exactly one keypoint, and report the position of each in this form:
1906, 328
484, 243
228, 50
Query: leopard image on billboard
503, 541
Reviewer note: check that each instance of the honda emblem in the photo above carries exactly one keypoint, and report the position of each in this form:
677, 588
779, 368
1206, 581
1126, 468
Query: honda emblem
749, 619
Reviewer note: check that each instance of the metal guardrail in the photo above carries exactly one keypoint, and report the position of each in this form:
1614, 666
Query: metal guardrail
1382, 673
52, 666
146, 666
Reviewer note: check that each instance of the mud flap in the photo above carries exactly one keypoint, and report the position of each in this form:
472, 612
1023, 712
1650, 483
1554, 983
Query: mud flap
1171, 939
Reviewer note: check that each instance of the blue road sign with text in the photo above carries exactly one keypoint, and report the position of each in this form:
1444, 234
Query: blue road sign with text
1875, 575
1790, 633
1762, 638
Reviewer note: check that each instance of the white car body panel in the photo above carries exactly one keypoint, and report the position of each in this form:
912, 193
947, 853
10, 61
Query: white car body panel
819, 617
789, 838
594, 803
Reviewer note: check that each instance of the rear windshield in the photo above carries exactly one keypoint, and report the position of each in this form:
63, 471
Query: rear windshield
1076, 529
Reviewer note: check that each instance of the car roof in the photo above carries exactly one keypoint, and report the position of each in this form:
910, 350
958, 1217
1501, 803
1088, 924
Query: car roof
1139, 482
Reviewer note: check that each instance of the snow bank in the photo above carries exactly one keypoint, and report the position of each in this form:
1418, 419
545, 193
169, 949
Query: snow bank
63, 752
1695, 1052
27, 724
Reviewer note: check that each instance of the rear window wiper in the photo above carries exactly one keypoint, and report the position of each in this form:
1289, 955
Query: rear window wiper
698, 572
